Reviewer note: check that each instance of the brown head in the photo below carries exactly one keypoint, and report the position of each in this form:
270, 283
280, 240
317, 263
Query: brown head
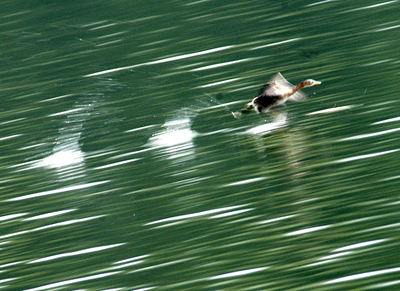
309, 83
305, 83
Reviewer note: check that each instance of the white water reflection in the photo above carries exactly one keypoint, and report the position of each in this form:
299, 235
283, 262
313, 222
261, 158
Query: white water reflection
275, 43
219, 83
238, 273
361, 136
332, 110
387, 120
76, 253
280, 120
359, 245
221, 65
67, 157
370, 6
47, 215
244, 182
195, 215
72, 281
51, 226
57, 191
176, 140
345, 160
64, 156
163, 60
363, 275
307, 230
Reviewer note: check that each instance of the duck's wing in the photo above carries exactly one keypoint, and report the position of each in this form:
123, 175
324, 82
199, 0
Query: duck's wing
280, 80
275, 85
279, 86
298, 96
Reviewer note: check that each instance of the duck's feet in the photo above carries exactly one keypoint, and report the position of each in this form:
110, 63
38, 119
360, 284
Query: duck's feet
238, 114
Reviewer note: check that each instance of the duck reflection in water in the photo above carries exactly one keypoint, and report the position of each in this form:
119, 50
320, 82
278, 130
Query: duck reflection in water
276, 92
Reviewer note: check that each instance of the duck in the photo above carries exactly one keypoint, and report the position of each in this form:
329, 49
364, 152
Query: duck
276, 92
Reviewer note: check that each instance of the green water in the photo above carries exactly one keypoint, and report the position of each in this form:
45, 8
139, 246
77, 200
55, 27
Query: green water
123, 168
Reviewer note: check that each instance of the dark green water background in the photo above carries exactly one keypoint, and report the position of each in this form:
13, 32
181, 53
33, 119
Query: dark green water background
123, 168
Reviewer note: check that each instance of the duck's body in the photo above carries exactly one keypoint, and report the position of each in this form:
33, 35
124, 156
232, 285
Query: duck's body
276, 92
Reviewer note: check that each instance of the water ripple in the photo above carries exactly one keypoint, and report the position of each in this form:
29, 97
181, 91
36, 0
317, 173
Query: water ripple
387, 120
308, 230
57, 191
365, 156
219, 83
332, 110
359, 245
238, 273
361, 136
63, 223
47, 215
76, 253
194, 215
162, 61
244, 182
275, 43
362, 276
221, 65
371, 6
73, 281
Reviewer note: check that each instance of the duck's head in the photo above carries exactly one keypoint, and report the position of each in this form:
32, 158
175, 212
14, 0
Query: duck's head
310, 82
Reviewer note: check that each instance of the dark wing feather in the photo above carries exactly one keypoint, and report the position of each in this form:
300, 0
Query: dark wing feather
271, 90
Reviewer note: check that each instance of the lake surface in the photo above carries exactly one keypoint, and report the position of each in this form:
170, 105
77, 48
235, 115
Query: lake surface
123, 167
